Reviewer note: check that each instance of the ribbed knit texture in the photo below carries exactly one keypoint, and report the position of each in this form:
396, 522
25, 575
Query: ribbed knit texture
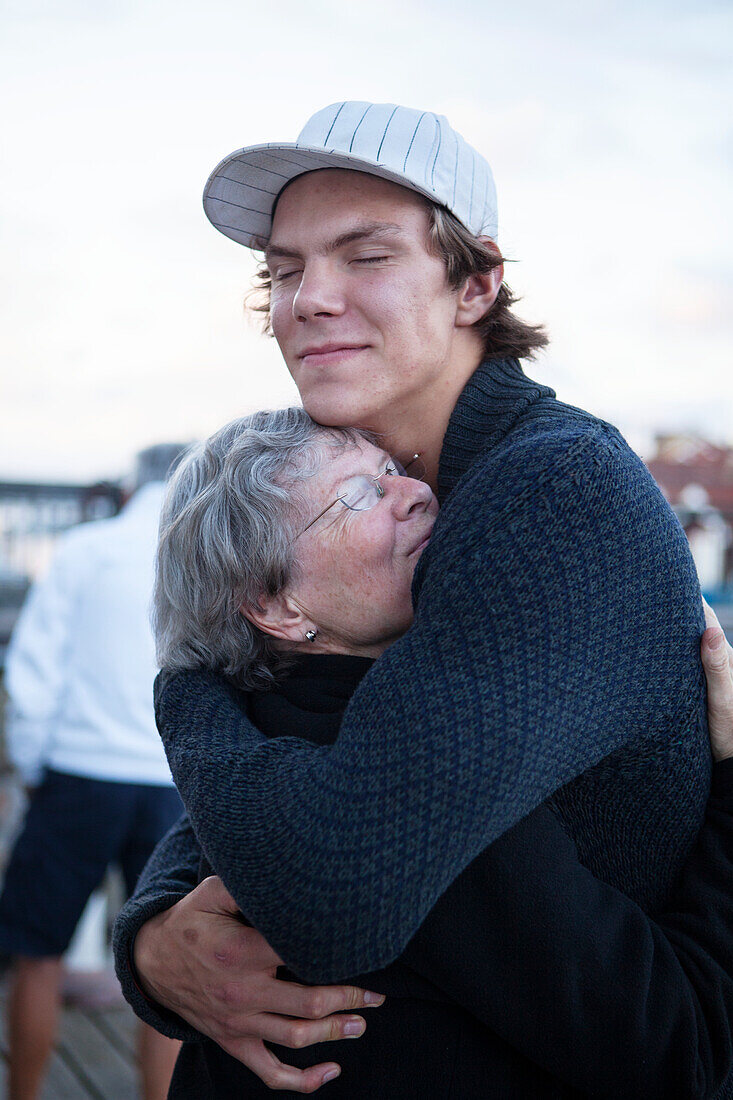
554, 653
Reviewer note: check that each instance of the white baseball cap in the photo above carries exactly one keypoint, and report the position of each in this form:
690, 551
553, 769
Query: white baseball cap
415, 149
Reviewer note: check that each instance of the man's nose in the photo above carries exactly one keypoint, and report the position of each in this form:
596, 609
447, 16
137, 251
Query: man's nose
319, 293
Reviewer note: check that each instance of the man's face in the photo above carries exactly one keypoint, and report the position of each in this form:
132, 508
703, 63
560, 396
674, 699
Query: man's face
361, 309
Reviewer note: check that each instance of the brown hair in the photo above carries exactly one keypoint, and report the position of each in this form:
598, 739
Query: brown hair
503, 334
464, 255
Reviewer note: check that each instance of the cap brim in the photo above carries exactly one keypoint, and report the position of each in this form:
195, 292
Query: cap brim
240, 193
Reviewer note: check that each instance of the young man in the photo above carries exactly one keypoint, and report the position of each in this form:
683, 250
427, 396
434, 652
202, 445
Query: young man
555, 647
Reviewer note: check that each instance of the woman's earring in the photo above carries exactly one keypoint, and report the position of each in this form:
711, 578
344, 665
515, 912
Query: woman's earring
311, 635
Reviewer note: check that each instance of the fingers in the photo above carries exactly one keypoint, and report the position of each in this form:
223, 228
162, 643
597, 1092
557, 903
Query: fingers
275, 1074
303, 1033
313, 1002
717, 652
237, 1008
711, 619
717, 659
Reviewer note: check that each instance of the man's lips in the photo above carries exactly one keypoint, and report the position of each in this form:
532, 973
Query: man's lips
321, 354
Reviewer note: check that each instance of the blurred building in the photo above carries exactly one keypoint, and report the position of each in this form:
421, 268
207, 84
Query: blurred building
696, 477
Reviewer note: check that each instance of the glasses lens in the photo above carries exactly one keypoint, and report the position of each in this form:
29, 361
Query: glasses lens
359, 494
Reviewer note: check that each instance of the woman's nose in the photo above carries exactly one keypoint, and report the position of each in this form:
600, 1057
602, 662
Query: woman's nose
319, 293
409, 495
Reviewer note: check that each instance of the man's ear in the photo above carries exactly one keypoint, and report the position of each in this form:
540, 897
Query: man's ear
279, 616
479, 292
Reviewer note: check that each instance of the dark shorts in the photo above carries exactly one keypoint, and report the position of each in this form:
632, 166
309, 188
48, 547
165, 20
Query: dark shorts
74, 828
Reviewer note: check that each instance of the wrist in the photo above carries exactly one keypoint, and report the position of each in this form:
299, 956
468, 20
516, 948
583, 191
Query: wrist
142, 957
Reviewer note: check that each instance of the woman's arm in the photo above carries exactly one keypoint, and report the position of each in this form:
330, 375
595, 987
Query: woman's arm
234, 972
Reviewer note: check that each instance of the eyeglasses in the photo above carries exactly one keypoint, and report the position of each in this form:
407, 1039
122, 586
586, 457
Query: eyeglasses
360, 493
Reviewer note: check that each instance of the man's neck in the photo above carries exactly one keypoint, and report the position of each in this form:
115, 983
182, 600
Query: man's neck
424, 439
421, 427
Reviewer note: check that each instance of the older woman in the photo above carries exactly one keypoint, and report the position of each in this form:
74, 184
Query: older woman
286, 557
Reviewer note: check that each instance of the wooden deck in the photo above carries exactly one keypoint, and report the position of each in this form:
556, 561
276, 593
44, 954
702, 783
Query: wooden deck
94, 1058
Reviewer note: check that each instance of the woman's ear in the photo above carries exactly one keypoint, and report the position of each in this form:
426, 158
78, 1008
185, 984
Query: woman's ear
279, 616
479, 292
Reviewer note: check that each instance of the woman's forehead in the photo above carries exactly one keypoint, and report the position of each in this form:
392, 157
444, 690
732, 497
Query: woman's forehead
342, 461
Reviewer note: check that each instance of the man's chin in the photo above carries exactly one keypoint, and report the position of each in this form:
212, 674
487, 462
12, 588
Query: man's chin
336, 410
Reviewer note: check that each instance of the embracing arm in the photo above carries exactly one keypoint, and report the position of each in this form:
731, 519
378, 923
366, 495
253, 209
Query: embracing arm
574, 974
206, 974
535, 610
619, 1003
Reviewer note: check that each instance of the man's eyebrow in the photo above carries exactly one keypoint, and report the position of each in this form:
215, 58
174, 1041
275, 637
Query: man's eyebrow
373, 231
376, 231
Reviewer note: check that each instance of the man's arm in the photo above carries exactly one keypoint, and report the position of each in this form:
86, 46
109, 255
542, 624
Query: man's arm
576, 976
536, 611
565, 969
35, 664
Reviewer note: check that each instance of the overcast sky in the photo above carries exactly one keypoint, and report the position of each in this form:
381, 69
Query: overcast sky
608, 126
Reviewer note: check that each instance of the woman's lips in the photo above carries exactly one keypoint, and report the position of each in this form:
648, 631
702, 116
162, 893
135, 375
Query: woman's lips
421, 545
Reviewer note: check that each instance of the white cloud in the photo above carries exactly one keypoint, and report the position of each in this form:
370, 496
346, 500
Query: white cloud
607, 125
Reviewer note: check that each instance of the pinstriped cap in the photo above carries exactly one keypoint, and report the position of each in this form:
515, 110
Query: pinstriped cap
415, 149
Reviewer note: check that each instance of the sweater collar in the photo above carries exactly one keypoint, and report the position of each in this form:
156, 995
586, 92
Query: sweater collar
322, 681
496, 394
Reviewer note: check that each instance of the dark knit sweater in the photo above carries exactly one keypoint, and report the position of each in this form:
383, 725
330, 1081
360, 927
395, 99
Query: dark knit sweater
529, 977
554, 652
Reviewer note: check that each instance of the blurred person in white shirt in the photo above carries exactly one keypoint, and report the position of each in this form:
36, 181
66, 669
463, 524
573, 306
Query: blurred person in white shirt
81, 733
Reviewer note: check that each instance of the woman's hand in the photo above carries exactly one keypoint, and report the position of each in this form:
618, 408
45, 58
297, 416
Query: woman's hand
200, 961
717, 659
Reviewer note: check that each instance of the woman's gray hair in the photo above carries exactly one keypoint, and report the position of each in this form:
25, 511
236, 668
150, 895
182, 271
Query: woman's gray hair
231, 514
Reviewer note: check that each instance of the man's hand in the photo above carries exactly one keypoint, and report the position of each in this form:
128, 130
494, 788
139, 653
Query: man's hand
200, 961
717, 659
